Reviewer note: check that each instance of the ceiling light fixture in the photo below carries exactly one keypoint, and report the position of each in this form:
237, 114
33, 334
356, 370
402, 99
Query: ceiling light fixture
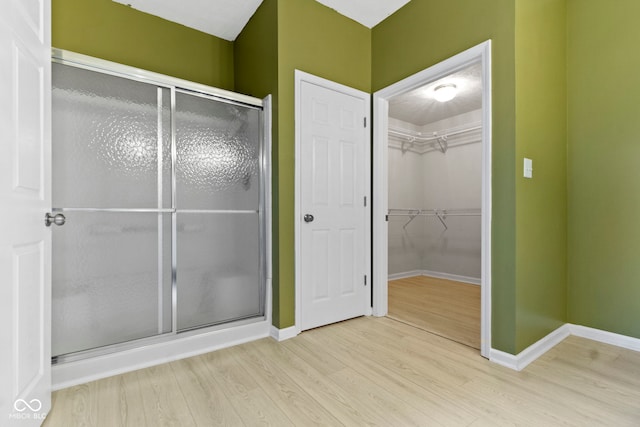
446, 92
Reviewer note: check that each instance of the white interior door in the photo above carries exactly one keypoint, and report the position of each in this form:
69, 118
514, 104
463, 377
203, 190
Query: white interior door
333, 138
25, 196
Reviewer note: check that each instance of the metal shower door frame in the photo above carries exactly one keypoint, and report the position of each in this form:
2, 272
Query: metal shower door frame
175, 85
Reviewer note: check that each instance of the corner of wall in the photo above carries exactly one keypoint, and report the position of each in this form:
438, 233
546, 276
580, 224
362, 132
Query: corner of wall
541, 202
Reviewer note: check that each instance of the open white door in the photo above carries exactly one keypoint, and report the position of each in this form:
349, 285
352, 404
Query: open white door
25, 196
332, 220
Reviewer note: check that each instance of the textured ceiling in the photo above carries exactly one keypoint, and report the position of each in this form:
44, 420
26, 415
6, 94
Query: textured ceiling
227, 18
367, 12
221, 18
420, 108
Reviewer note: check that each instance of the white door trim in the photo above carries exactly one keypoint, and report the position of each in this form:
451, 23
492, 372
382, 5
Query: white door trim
480, 53
300, 77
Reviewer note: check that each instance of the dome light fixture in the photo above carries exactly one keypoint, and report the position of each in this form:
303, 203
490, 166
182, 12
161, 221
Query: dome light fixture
446, 92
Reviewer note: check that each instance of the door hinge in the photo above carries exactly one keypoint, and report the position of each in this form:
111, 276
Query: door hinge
365, 122
386, 218
365, 280
365, 201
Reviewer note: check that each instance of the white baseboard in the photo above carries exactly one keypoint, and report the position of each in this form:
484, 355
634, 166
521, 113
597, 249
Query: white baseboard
605, 337
283, 334
437, 275
454, 277
521, 360
531, 353
82, 371
405, 275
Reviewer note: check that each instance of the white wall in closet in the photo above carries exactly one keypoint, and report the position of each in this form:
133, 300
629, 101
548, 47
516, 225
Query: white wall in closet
431, 179
406, 191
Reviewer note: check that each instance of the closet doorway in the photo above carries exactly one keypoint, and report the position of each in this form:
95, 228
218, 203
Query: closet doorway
432, 218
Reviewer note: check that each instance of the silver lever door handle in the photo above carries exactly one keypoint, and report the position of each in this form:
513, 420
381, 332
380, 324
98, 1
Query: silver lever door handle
57, 219
308, 218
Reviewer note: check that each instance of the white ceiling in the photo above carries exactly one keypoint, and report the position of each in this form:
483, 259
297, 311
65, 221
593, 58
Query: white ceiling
419, 107
227, 18
367, 12
221, 18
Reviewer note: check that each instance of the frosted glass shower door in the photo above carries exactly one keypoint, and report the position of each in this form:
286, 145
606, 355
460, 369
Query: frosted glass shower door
218, 209
112, 181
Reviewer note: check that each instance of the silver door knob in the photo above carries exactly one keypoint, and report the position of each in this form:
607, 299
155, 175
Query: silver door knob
57, 219
308, 218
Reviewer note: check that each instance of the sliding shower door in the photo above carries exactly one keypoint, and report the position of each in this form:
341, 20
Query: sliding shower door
163, 194
218, 211
111, 180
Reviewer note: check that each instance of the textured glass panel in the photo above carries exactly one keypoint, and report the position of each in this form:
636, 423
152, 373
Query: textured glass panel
111, 279
218, 268
105, 141
218, 152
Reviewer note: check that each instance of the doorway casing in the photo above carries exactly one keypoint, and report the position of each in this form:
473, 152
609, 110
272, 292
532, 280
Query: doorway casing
477, 54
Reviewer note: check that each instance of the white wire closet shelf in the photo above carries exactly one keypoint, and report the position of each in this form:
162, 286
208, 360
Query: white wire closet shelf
440, 141
441, 214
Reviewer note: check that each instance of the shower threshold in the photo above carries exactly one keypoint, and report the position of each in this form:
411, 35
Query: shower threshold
157, 339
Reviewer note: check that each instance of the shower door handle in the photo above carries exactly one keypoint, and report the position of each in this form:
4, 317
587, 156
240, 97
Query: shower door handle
308, 218
57, 219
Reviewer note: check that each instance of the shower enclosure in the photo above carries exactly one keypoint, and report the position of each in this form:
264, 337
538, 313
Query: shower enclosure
161, 188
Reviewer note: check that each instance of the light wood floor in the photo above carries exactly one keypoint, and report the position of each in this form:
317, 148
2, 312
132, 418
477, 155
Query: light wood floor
366, 371
443, 307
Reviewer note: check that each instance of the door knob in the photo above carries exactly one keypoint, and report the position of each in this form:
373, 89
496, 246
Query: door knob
308, 218
57, 219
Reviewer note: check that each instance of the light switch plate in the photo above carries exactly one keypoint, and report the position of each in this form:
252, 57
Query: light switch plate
528, 168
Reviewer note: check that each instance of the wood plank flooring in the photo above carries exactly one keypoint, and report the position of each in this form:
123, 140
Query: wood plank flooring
443, 307
366, 371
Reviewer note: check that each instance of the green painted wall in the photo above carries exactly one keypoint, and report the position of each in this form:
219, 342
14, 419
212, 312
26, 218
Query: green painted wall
604, 146
541, 202
320, 41
256, 53
317, 40
425, 32
256, 74
115, 32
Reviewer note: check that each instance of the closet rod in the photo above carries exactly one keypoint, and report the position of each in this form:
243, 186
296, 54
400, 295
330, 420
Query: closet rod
413, 211
441, 214
436, 214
